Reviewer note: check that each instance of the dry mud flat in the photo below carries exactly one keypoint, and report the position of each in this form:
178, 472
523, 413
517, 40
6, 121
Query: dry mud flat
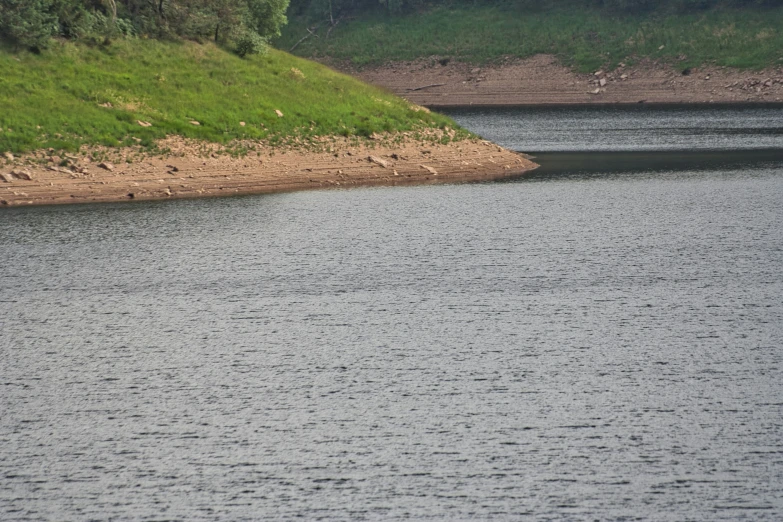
193, 170
541, 80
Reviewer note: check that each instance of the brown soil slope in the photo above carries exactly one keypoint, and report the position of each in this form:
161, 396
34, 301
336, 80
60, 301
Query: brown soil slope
193, 170
541, 80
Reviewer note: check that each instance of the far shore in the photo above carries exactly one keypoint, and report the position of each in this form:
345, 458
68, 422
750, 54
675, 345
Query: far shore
197, 170
542, 80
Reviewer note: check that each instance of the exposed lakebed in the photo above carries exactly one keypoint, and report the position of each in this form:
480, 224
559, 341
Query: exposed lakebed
576, 344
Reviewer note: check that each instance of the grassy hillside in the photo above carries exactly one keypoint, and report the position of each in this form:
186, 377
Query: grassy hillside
73, 94
586, 39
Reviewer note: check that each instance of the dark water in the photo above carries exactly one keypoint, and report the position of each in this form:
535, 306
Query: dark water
634, 128
575, 345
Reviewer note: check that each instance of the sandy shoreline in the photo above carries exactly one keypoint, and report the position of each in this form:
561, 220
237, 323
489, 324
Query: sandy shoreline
542, 80
190, 171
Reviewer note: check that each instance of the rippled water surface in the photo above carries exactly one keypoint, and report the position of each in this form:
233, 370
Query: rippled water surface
574, 345
634, 128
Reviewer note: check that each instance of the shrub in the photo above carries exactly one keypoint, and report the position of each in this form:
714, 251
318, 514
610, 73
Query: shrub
249, 42
27, 23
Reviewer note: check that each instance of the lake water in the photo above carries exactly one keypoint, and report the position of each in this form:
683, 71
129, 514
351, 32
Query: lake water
583, 343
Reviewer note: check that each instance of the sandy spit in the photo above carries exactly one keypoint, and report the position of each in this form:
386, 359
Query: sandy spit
542, 80
193, 170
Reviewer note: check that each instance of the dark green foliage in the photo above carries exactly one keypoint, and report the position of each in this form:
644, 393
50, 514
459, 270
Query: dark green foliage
391, 7
267, 17
27, 23
587, 38
682, 6
247, 24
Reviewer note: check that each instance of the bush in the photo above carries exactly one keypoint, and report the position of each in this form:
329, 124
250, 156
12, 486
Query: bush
243, 24
27, 23
249, 42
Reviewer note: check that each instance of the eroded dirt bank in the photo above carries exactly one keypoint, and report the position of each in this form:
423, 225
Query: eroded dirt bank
542, 80
193, 170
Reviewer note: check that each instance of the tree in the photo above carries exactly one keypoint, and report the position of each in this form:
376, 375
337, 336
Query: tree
245, 24
27, 23
267, 17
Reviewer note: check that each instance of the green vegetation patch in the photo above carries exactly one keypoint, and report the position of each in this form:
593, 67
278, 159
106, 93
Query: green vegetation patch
585, 38
136, 91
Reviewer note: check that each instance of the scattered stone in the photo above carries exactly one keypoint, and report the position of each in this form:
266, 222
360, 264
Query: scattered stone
8, 156
22, 174
707, 77
144, 123
6, 177
194, 122
602, 82
378, 161
279, 113
596, 91
598, 74
107, 105
106, 165
623, 76
429, 169
241, 123
475, 71
167, 192
661, 48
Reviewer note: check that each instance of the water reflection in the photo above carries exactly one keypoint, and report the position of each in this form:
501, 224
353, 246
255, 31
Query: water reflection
628, 128
599, 164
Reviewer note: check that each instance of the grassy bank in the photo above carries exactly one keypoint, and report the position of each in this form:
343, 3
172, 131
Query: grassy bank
134, 92
585, 39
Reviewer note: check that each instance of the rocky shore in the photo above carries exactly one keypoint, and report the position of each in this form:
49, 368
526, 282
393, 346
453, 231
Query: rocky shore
192, 170
542, 80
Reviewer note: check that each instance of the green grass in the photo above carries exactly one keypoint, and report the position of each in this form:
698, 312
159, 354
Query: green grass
54, 100
585, 39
